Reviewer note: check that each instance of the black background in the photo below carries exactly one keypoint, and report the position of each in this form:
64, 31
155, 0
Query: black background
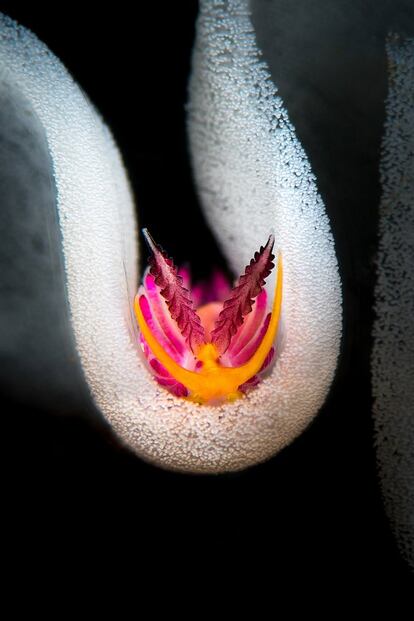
313, 512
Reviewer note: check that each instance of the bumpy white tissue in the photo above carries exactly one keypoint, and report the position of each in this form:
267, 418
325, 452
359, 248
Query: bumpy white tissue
253, 177
393, 351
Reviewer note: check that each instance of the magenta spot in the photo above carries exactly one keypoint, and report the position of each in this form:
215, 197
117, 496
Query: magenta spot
174, 387
166, 383
145, 308
179, 390
158, 368
150, 282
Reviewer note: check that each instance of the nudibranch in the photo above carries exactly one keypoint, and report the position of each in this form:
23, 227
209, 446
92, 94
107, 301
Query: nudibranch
208, 354
253, 178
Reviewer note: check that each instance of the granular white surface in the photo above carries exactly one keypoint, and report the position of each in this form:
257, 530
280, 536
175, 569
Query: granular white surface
393, 351
253, 177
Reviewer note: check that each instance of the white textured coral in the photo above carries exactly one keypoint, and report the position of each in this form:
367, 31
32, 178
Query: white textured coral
253, 176
393, 351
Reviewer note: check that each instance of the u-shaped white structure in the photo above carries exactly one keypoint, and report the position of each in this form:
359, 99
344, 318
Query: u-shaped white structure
253, 176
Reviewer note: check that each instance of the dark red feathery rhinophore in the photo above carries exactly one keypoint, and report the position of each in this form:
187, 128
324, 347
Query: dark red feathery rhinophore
239, 303
177, 297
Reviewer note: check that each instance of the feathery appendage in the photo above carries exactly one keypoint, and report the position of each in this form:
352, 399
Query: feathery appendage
240, 301
178, 298
196, 371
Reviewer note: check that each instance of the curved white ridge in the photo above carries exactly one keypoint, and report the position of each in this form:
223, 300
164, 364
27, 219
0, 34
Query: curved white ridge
254, 177
247, 161
393, 350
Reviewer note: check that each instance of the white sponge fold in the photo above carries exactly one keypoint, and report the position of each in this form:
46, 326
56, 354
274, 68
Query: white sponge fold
393, 350
253, 177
